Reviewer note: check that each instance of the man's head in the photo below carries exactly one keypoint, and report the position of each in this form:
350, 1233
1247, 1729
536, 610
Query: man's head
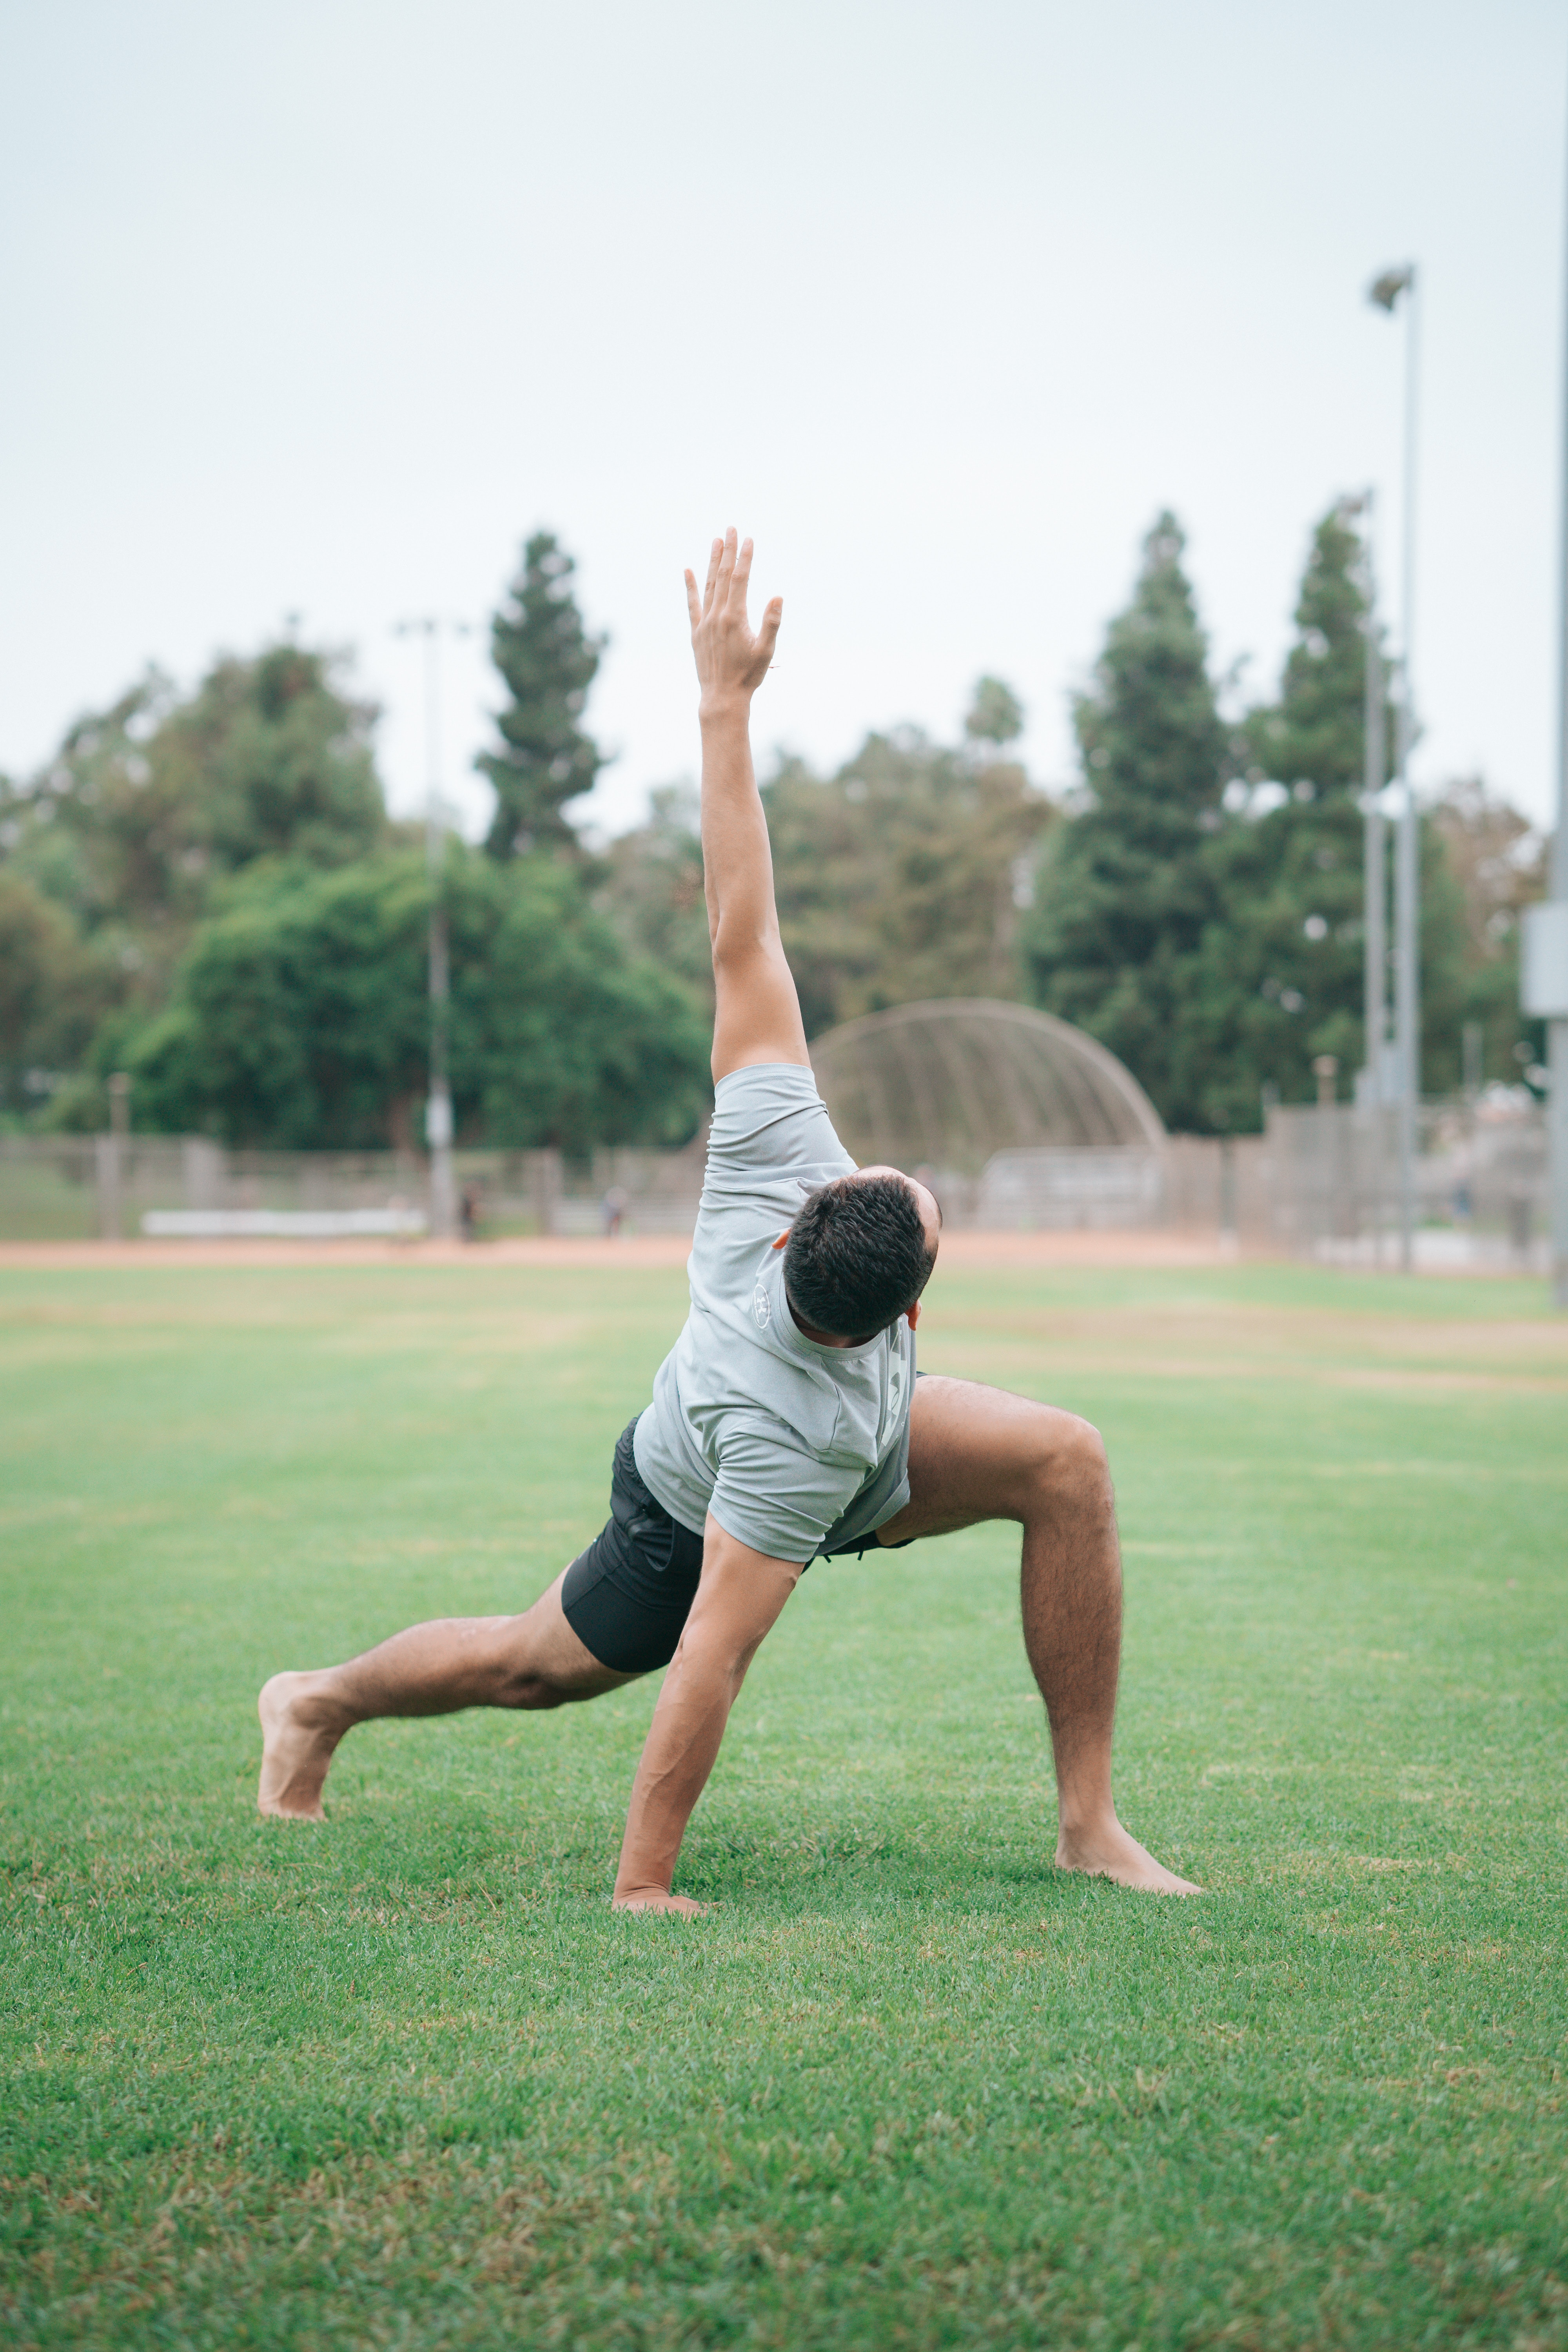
860, 1253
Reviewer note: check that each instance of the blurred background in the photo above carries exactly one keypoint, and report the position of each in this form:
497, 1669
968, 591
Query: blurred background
375, 372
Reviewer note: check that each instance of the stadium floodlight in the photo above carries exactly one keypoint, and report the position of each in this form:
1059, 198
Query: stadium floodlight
1385, 293
438, 1102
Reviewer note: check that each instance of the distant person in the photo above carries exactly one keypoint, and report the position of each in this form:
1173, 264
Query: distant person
786, 1426
614, 1211
471, 1202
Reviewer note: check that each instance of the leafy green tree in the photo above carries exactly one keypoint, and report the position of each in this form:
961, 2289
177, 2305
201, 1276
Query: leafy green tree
651, 889
273, 758
1125, 889
898, 878
548, 662
101, 831
1497, 860
150, 809
300, 1017
151, 802
48, 992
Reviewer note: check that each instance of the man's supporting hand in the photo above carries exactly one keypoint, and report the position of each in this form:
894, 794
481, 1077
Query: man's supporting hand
739, 1598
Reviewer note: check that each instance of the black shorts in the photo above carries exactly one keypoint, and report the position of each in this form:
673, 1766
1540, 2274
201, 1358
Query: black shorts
627, 1597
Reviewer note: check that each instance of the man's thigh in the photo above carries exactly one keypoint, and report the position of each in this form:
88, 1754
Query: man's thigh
977, 1453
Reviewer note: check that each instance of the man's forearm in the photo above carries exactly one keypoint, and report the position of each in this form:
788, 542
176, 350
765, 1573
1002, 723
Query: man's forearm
739, 1597
737, 862
678, 1756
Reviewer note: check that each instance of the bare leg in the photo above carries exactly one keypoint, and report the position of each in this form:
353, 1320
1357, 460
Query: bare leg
978, 1454
532, 1661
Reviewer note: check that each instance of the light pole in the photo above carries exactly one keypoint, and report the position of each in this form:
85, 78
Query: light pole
1386, 292
438, 1102
1372, 1086
1545, 960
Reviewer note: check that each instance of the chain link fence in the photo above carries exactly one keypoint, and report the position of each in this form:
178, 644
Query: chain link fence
75, 1188
1321, 1182
1332, 1178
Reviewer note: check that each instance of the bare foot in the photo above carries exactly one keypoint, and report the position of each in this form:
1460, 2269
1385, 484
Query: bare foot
295, 1753
1108, 1852
657, 1898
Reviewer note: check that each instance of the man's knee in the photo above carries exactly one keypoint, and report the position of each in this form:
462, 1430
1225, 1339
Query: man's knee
1066, 1458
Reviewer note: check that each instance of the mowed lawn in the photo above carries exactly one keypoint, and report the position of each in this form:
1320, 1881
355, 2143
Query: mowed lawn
402, 2080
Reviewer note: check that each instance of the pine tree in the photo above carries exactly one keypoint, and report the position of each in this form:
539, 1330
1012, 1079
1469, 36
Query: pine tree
1315, 731
548, 661
1124, 890
995, 713
1280, 979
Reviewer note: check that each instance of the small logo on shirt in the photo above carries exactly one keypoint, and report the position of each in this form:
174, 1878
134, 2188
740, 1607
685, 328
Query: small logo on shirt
761, 1308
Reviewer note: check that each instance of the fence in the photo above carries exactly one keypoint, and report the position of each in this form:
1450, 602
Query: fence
71, 1188
1321, 1182
1479, 1178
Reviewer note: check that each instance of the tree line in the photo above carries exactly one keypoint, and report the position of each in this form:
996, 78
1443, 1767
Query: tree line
206, 890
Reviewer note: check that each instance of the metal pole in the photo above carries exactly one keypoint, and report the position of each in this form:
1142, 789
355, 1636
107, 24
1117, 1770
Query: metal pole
439, 1109
1407, 851
438, 1101
1374, 775
1386, 292
1407, 986
113, 1154
1557, 1027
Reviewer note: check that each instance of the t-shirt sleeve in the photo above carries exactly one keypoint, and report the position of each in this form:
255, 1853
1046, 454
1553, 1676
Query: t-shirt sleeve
772, 1117
775, 1498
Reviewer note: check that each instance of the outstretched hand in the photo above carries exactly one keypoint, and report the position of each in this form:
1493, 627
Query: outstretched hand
732, 661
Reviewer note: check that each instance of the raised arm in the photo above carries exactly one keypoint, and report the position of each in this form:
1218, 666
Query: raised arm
756, 1012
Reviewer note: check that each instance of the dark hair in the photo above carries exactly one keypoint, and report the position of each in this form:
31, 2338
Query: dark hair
857, 1257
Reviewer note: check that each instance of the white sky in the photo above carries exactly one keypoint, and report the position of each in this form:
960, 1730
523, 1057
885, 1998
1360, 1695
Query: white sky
319, 308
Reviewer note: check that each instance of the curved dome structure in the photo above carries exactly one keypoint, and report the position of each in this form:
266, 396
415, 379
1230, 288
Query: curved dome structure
1024, 1119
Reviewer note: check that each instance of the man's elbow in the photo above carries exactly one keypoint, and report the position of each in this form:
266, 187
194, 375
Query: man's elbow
741, 942
714, 1658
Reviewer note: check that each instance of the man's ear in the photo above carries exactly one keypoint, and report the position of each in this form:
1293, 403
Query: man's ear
782, 1239
913, 1317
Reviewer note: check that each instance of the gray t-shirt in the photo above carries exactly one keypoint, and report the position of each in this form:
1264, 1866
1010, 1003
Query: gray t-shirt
796, 1448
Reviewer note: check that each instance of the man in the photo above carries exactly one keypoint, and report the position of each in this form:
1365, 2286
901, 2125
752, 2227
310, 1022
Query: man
785, 1424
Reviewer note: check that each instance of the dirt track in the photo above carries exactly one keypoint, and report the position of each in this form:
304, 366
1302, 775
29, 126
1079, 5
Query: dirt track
1151, 1249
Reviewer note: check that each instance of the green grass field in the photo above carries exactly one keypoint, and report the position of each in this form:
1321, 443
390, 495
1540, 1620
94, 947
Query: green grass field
404, 2080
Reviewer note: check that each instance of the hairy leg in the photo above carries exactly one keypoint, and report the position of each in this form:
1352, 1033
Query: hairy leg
980, 1453
532, 1660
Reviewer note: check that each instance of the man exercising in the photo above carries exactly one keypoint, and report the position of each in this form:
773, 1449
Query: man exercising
787, 1423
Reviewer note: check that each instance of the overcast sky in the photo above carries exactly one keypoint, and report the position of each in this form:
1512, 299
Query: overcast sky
319, 308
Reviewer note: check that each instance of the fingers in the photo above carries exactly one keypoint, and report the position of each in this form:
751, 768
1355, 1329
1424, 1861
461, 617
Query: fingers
767, 636
741, 575
726, 572
724, 590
